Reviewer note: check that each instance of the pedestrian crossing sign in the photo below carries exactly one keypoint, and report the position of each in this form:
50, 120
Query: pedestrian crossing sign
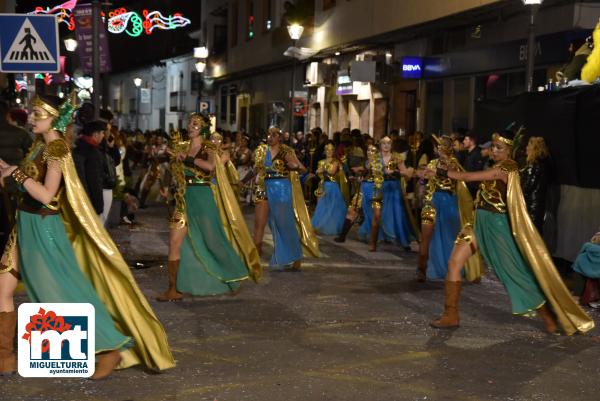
29, 43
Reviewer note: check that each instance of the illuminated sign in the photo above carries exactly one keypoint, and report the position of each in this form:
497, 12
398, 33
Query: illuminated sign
412, 67
344, 83
121, 20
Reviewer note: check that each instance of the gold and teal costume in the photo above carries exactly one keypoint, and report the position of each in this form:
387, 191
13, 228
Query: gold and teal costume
66, 255
209, 264
513, 248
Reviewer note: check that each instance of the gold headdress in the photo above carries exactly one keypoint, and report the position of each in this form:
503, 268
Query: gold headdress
37, 101
499, 137
444, 143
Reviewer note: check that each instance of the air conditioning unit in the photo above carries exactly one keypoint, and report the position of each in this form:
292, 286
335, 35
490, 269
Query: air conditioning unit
319, 74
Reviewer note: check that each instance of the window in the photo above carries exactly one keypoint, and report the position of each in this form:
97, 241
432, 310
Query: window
327, 4
220, 39
250, 19
117, 105
234, 23
223, 104
133, 105
176, 101
267, 16
232, 103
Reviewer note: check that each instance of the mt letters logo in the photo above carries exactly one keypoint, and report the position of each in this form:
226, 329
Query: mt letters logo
56, 340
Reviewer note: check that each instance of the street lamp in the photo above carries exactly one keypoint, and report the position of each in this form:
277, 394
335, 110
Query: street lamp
534, 6
201, 52
200, 66
137, 81
295, 32
70, 44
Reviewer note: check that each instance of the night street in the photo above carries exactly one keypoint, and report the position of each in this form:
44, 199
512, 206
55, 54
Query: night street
352, 325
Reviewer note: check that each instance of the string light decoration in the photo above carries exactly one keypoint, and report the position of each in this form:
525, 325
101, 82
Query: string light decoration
63, 12
121, 20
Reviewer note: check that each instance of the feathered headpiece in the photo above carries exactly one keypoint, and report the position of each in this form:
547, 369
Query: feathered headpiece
65, 114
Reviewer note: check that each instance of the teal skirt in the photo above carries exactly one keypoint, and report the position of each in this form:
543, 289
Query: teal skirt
51, 273
209, 264
501, 253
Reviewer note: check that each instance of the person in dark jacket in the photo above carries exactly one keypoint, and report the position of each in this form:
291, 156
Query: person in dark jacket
534, 180
14, 144
472, 159
112, 158
89, 161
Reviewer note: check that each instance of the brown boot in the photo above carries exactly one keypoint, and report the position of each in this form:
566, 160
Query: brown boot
171, 294
548, 319
297, 265
422, 269
8, 327
143, 197
347, 226
107, 362
450, 318
374, 237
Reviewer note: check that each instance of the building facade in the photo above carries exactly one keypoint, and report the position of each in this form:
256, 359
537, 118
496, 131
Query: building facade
373, 65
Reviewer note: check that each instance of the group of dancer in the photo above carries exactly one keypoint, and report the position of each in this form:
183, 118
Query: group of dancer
62, 253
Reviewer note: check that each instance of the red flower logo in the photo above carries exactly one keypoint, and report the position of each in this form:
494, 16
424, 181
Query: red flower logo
45, 321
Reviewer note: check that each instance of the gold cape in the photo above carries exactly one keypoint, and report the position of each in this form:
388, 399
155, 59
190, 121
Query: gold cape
343, 182
233, 220
570, 315
473, 269
308, 238
102, 263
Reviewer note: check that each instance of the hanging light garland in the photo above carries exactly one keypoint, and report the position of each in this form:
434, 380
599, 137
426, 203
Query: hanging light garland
121, 20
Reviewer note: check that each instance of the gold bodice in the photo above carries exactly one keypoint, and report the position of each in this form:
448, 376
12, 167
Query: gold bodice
392, 165
279, 167
436, 183
35, 165
492, 194
193, 173
330, 169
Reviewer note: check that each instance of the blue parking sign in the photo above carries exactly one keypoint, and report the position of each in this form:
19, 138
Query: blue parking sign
29, 43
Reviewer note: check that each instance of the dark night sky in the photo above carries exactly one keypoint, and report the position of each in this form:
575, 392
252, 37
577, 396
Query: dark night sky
128, 52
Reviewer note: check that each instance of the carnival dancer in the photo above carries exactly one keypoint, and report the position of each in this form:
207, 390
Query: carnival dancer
331, 209
448, 206
398, 224
158, 160
279, 200
201, 259
242, 158
63, 254
510, 244
225, 181
224, 152
369, 199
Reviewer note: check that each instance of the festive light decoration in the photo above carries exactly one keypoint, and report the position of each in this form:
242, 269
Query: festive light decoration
46, 77
20, 85
63, 12
121, 20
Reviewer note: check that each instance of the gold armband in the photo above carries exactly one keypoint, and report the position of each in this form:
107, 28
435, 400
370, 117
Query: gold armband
19, 176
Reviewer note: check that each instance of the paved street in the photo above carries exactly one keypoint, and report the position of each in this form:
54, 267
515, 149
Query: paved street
351, 326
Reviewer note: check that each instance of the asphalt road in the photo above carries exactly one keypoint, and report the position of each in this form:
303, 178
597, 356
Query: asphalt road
351, 326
